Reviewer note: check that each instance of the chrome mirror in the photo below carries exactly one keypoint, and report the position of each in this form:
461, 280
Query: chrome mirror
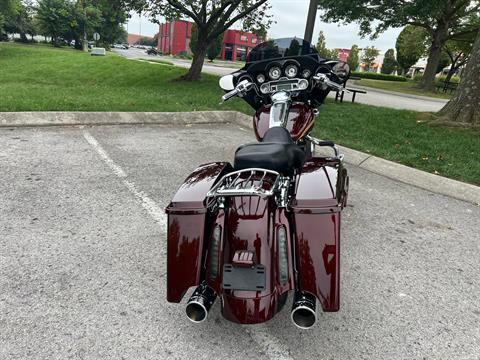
226, 82
341, 70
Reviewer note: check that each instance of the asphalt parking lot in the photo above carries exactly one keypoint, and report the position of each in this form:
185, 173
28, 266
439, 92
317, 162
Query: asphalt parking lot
83, 255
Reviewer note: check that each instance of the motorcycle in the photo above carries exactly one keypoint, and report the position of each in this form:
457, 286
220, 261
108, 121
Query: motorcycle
268, 225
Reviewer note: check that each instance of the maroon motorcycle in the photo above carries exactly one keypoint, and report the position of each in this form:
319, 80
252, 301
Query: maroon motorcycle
270, 224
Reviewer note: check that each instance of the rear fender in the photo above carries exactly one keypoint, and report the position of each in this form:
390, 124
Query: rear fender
251, 224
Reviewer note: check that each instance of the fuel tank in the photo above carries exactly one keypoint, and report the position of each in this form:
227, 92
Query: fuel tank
300, 120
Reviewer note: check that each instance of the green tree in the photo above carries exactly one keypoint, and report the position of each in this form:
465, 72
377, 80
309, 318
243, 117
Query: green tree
442, 19
212, 18
147, 41
322, 48
353, 58
459, 52
368, 56
8, 8
53, 18
113, 16
389, 62
444, 61
21, 21
84, 20
214, 49
410, 46
194, 38
463, 107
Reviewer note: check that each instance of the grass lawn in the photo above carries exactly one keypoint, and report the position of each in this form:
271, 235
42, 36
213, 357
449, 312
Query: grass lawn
408, 87
399, 136
37, 78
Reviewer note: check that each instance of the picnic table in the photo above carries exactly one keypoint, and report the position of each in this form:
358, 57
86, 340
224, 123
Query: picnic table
340, 94
446, 86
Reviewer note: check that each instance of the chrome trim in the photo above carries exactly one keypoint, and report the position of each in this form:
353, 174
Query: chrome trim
317, 142
281, 102
249, 182
282, 197
233, 184
303, 308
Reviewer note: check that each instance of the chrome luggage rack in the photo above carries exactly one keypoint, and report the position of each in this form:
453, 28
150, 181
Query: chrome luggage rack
320, 143
247, 182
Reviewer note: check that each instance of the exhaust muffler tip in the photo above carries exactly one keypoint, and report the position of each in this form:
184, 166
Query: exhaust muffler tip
200, 303
303, 310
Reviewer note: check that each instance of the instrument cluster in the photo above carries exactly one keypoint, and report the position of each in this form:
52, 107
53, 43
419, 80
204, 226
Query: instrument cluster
289, 70
289, 77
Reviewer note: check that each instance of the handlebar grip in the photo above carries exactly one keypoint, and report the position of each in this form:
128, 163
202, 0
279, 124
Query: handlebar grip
326, 143
230, 95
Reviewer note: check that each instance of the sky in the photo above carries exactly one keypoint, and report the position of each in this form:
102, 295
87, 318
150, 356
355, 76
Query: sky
290, 17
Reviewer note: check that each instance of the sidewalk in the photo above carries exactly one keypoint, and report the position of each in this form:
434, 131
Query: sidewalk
396, 93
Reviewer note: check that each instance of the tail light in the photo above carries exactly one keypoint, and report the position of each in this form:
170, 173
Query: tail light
282, 255
214, 252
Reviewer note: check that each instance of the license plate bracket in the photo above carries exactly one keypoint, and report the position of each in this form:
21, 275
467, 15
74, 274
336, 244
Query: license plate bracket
241, 278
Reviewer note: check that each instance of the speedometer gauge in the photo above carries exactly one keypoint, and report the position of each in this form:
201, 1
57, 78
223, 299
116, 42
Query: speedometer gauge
261, 78
274, 73
306, 73
291, 71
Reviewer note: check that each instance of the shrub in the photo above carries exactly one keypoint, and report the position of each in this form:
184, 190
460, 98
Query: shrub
454, 79
417, 78
182, 55
375, 76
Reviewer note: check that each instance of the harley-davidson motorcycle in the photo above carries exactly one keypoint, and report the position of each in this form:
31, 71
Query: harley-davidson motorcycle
252, 232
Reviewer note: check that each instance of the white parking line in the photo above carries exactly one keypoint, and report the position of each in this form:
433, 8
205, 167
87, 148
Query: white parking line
270, 345
155, 211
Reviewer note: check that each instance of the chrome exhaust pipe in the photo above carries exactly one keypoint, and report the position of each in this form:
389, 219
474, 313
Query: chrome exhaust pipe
303, 310
200, 303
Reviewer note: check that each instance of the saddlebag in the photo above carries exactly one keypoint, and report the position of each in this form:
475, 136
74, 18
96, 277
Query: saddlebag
320, 196
187, 219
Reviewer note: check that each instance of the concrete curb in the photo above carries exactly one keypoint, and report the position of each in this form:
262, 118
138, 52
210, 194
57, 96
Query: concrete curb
15, 119
396, 93
421, 179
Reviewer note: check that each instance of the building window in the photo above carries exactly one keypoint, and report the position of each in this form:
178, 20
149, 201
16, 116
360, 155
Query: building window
241, 53
243, 38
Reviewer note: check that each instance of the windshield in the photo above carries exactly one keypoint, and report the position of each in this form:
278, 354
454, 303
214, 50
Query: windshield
280, 48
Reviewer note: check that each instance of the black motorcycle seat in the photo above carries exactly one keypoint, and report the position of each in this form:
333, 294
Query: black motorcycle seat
277, 152
277, 134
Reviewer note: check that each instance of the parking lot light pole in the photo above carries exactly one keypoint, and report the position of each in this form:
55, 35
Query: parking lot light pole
311, 17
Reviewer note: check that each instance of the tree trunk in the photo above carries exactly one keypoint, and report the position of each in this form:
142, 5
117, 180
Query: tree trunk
195, 70
434, 54
464, 107
451, 72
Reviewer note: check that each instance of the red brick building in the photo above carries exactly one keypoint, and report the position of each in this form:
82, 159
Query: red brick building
343, 54
174, 37
134, 38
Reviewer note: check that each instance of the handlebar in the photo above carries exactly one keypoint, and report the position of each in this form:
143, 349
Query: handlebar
229, 95
241, 89
323, 79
